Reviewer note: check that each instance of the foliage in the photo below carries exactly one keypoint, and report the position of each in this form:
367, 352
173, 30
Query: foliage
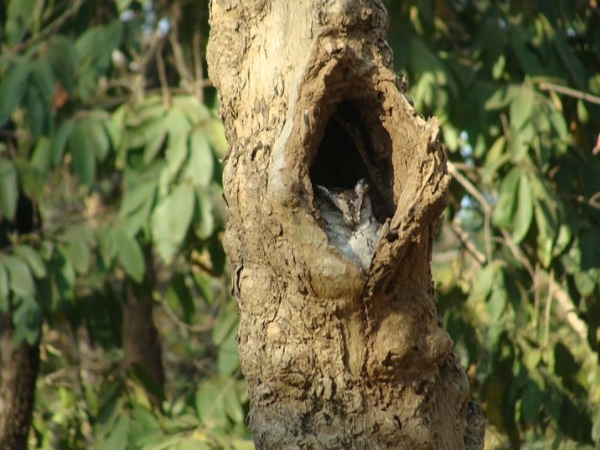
516, 87
105, 131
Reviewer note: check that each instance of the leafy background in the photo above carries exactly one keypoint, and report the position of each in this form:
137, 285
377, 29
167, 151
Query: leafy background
110, 149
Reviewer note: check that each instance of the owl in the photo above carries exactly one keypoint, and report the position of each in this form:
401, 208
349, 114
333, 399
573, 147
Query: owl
349, 222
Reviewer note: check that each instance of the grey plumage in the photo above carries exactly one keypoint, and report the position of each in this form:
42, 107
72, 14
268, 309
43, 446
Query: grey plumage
349, 222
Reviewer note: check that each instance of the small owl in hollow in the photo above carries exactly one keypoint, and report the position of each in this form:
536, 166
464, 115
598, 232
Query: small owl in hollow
349, 222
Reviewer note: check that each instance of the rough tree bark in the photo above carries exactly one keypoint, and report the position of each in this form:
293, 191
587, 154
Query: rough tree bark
339, 353
18, 373
19, 364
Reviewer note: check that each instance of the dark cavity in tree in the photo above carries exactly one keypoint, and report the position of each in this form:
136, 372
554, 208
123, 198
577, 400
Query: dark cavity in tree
346, 154
338, 163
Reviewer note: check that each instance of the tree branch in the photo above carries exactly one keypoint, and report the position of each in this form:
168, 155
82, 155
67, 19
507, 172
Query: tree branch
570, 92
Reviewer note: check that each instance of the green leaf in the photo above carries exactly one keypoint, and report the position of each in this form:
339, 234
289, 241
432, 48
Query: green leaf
571, 63
19, 19
9, 189
35, 111
107, 248
77, 248
4, 289
496, 303
494, 159
12, 88
585, 282
82, 153
483, 283
527, 58
200, 165
524, 212
532, 358
225, 325
582, 112
33, 259
27, 319
546, 218
521, 107
137, 206
209, 403
451, 136
502, 215
95, 46
177, 150
501, 98
154, 132
193, 443
204, 220
498, 68
130, 255
178, 295
64, 273
559, 124
565, 234
152, 107
233, 406
171, 220
44, 78
216, 136
122, 5
136, 196
40, 159
146, 135
118, 437
194, 110
59, 141
532, 399
62, 56
520, 141
241, 444
97, 137
228, 359
547, 225
19, 276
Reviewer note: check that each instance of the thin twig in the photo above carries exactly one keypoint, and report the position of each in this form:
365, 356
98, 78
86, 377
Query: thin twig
463, 236
536, 296
570, 92
518, 254
162, 75
178, 57
198, 72
567, 308
469, 187
593, 201
50, 29
487, 209
548, 309
184, 327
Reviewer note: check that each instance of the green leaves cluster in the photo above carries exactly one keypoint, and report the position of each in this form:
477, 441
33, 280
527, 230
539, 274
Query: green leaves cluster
210, 416
171, 171
515, 85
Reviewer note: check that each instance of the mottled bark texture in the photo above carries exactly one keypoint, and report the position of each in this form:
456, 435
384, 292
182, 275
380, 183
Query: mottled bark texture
18, 373
336, 357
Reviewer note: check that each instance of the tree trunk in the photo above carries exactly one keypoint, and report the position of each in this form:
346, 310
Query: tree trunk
141, 341
334, 186
18, 373
19, 365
